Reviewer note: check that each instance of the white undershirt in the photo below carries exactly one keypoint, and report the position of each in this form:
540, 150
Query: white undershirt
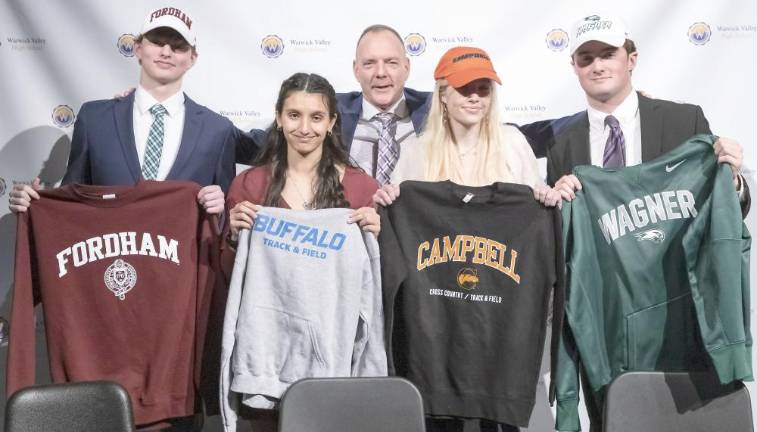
627, 114
173, 126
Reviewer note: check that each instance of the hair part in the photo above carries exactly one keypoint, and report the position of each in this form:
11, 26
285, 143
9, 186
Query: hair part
442, 161
329, 192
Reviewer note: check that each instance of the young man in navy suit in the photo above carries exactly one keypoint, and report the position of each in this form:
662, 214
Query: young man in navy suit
156, 132
381, 118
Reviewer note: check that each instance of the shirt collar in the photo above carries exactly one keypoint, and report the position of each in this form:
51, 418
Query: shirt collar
399, 109
625, 112
144, 101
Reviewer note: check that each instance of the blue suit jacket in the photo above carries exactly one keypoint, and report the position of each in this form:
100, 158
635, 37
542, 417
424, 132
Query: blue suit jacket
103, 151
350, 107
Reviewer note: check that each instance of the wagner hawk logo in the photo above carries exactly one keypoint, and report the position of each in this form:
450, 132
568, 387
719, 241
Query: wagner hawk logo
653, 235
467, 278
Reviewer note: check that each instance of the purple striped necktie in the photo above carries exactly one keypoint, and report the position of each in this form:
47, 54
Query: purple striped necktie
388, 151
615, 148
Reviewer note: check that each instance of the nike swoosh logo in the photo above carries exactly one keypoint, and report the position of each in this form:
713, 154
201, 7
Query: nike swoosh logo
669, 168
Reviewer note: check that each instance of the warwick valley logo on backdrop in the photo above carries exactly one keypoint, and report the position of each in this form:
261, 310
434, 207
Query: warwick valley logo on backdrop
482, 251
649, 209
557, 40
125, 44
272, 46
63, 116
297, 238
120, 276
699, 33
415, 44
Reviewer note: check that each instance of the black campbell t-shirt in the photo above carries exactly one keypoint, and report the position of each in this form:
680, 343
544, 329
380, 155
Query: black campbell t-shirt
467, 274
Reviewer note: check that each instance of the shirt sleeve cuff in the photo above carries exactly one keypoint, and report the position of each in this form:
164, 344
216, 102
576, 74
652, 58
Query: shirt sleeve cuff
567, 416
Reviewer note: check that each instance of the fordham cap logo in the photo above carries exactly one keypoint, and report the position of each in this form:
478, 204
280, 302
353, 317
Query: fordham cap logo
653, 235
120, 278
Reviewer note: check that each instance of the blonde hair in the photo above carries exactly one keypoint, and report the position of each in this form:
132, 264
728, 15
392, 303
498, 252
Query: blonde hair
442, 161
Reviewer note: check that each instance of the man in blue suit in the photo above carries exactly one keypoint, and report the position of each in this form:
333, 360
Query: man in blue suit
156, 132
382, 118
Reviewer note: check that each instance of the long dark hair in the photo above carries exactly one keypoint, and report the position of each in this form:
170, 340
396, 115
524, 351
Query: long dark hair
329, 192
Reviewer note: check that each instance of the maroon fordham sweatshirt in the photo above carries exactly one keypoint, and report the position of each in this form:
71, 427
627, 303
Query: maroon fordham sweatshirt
124, 276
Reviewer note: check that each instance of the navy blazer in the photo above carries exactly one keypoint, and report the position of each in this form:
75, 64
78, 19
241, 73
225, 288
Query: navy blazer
664, 126
103, 151
350, 107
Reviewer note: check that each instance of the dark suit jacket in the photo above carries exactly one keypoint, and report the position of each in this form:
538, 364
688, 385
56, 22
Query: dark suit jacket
664, 126
103, 151
350, 107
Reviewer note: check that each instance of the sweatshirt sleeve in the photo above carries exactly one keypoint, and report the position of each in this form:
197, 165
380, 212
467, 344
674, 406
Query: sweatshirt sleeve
565, 377
230, 401
393, 273
369, 355
21, 350
716, 247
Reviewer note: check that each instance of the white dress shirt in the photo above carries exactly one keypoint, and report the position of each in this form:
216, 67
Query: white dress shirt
173, 126
364, 149
627, 114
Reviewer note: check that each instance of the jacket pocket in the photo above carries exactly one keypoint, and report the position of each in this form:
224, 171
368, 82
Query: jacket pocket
664, 337
274, 342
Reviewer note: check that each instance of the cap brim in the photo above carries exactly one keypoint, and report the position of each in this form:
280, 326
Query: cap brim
616, 41
460, 79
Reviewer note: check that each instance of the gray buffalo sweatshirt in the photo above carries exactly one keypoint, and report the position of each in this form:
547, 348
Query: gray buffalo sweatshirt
304, 301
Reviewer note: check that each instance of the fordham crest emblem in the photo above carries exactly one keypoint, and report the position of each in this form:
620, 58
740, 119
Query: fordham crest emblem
120, 278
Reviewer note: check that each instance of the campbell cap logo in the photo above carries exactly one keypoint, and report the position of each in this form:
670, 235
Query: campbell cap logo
415, 44
557, 39
125, 44
272, 46
63, 116
699, 33
467, 278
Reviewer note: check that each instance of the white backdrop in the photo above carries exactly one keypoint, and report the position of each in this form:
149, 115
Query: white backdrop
55, 55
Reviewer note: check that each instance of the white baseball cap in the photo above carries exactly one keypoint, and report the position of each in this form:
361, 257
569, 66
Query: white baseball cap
608, 29
171, 17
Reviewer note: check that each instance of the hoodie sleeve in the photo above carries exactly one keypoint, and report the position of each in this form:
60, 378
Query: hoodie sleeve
393, 273
565, 383
230, 401
21, 350
716, 247
369, 355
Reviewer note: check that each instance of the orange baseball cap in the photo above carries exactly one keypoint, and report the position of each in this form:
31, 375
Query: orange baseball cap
461, 65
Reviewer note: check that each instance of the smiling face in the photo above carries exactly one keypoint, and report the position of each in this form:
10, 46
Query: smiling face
304, 120
164, 59
604, 71
381, 67
468, 105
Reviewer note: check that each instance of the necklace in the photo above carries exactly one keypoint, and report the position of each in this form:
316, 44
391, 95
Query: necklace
307, 205
472, 151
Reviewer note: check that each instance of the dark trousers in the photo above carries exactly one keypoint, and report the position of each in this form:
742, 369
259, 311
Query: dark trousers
466, 425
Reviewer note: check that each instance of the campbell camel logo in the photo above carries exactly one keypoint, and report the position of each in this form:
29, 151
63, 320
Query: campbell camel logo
699, 33
557, 40
272, 46
415, 44
467, 278
63, 116
125, 45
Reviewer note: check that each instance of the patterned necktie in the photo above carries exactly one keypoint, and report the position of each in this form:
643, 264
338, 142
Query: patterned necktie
615, 148
154, 147
388, 152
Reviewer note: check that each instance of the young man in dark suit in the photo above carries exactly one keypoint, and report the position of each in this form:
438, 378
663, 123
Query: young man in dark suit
381, 118
156, 132
603, 59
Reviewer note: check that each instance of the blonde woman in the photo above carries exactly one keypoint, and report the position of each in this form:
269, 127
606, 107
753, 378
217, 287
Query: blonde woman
464, 140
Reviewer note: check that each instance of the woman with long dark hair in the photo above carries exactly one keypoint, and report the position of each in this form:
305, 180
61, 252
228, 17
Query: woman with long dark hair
304, 165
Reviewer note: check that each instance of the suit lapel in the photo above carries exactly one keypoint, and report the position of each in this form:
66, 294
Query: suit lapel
350, 117
651, 129
417, 114
576, 143
123, 114
190, 136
